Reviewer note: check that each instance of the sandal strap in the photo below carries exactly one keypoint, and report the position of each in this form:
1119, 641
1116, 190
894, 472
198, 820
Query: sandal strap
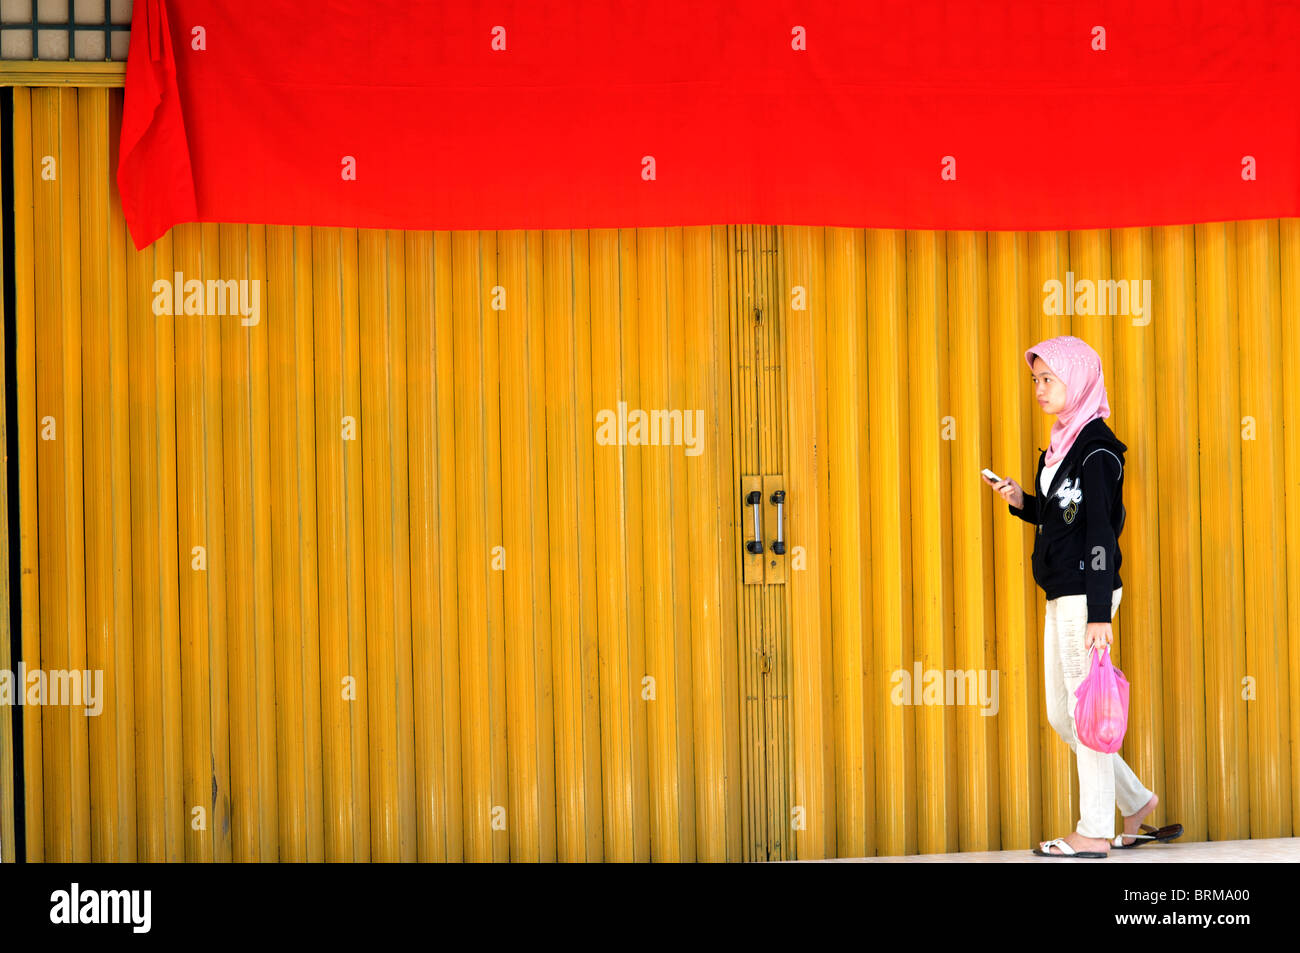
1119, 839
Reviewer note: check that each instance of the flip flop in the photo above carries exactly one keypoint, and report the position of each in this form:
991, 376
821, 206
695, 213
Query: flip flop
1151, 836
1067, 850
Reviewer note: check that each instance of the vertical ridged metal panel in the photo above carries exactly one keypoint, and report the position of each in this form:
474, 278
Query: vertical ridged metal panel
364, 581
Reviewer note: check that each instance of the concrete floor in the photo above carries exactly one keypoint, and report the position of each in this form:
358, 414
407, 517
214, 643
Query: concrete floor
1262, 851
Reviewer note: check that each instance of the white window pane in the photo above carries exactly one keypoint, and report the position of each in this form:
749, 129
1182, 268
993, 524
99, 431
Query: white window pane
16, 11
88, 11
16, 44
89, 46
53, 11
52, 44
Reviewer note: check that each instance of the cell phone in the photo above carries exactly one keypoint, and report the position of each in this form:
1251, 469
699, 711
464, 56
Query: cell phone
991, 475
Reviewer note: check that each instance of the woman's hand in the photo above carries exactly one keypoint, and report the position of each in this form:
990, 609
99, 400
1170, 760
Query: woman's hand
1010, 490
1098, 634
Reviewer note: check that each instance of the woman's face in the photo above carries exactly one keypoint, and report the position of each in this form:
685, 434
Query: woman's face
1049, 390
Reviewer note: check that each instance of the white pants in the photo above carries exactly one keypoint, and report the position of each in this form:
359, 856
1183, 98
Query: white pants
1104, 779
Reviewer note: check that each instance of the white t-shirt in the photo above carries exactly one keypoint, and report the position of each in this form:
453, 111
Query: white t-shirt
1049, 474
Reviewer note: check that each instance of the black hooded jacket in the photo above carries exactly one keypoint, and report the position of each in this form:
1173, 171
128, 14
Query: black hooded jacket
1076, 546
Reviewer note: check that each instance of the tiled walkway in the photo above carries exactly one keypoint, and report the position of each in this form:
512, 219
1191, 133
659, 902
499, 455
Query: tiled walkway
1264, 850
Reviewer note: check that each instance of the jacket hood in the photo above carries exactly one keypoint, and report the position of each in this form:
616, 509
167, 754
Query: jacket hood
1097, 434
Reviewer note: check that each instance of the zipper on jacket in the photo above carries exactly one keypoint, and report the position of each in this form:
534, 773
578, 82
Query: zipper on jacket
1038, 490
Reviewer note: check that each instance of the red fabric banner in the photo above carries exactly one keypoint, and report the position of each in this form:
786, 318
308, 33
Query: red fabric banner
1012, 114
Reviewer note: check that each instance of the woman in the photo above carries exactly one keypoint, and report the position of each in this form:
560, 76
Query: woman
1079, 514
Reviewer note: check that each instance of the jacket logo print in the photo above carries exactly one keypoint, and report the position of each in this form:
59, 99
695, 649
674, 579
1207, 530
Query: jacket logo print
1069, 497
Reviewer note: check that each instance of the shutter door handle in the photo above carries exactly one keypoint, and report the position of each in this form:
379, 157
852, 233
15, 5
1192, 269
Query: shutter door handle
755, 545
778, 498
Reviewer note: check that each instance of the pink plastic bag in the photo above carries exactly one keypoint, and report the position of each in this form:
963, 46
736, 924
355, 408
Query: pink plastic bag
1101, 713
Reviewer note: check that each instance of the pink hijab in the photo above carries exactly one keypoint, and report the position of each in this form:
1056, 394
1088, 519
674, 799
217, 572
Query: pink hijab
1078, 366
